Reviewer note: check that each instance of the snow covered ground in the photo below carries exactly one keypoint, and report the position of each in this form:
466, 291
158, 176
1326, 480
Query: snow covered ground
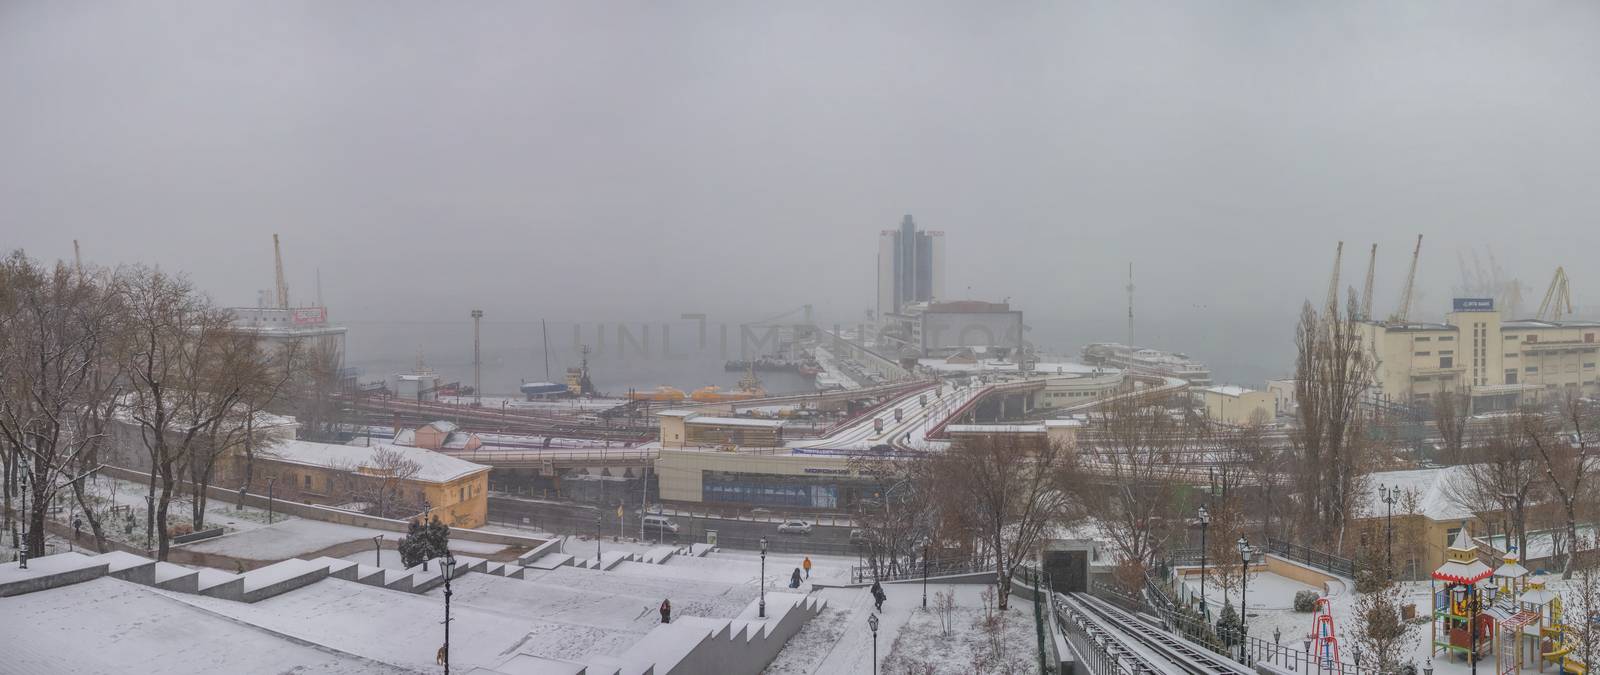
909, 637
300, 537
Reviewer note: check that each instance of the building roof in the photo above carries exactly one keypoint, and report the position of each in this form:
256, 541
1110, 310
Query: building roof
737, 422
677, 413
996, 428
1228, 390
433, 467
443, 426
1431, 487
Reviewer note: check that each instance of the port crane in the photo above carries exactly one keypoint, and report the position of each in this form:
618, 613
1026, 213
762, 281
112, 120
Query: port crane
1403, 314
1557, 299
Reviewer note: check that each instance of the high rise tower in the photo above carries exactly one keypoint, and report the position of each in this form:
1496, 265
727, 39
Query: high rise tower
910, 267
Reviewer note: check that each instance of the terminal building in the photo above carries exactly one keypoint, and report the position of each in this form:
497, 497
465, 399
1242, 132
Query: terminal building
1140, 360
1499, 364
910, 267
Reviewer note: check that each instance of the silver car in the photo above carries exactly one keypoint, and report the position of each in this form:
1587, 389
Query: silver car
794, 527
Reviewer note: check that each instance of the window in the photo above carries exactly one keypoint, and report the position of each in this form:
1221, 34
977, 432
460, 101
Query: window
1450, 536
1531, 369
1512, 337
1533, 338
1422, 354
1588, 337
1588, 366
1424, 339
1511, 355
1447, 338
1447, 352
1511, 376
1447, 361
463, 495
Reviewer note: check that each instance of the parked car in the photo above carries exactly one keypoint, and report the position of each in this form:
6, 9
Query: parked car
660, 524
794, 527
858, 537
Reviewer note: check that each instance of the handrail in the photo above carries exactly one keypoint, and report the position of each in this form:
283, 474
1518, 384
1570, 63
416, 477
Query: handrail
1306, 555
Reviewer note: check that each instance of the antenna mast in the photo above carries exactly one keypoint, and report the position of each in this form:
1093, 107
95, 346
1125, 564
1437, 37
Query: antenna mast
477, 384
1366, 290
1333, 282
77, 257
277, 260
1130, 304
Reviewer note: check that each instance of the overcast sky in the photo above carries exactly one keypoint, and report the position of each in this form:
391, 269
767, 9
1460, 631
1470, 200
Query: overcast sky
604, 160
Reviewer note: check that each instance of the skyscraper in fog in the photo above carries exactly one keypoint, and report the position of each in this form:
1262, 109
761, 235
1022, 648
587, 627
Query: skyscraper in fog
910, 267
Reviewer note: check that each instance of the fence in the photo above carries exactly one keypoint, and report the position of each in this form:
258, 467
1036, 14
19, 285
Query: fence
1322, 560
861, 574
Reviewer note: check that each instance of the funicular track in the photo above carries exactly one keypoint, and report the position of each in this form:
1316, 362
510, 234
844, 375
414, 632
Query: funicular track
1151, 647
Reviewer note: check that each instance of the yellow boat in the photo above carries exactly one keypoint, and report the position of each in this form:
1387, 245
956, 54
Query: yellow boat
663, 394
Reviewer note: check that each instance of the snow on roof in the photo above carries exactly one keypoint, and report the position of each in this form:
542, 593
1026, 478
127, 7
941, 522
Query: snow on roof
1463, 573
676, 413
443, 426
996, 428
1431, 487
434, 467
738, 422
1228, 390
1063, 423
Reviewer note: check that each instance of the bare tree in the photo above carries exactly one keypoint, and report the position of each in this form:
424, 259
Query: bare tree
1128, 480
55, 324
1333, 370
1564, 443
177, 359
1450, 416
1386, 641
1503, 473
1582, 599
1009, 484
383, 475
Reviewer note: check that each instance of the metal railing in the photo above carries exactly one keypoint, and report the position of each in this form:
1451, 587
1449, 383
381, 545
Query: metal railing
861, 574
1306, 555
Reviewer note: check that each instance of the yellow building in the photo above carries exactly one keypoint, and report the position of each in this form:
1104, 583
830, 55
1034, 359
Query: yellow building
1500, 365
1426, 517
1238, 406
688, 429
454, 490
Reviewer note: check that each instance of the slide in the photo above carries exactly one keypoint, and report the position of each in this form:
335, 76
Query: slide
1568, 667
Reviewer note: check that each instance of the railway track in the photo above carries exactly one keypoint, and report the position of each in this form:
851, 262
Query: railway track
1148, 645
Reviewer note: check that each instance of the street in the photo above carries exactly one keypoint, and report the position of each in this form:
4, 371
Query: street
568, 518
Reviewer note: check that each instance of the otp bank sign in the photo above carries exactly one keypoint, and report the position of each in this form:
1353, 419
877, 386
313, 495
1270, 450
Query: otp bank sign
1474, 304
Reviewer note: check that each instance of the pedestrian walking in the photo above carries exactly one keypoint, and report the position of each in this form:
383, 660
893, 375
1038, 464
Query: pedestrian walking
807, 564
878, 596
794, 579
666, 611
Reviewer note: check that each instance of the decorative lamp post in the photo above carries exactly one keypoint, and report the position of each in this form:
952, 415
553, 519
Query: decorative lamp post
1205, 522
377, 550
1244, 586
448, 565
150, 515
1389, 495
924, 573
270, 481
597, 541
22, 551
77, 529
872, 622
761, 609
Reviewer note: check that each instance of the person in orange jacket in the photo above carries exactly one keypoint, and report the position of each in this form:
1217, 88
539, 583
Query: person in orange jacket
807, 564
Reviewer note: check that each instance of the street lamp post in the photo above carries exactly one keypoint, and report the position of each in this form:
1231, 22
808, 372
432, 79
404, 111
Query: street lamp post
449, 567
1389, 495
597, 519
924, 573
22, 551
761, 609
77, 529
1244, 587
872, 622
150, 519
1205, 522
377, 550
270, 481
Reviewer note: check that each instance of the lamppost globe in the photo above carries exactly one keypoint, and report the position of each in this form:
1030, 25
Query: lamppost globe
1205, 516
1244, 549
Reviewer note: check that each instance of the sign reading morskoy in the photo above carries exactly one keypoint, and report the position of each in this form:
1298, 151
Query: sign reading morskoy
1474, 304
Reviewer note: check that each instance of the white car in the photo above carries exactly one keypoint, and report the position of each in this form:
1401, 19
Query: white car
794, 527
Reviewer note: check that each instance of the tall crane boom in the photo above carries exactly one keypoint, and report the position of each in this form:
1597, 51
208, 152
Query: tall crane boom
1557, 299
1333, 281
1366, 290
283, 286
1404, 313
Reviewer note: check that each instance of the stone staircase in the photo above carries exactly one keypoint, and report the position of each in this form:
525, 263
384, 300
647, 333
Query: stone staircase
254, 586
691, 644
610, 559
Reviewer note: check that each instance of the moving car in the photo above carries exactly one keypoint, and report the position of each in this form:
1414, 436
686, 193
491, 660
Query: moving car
794, 527
660, 524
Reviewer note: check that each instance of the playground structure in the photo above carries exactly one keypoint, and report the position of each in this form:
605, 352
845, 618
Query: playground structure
1324, 639
1504, 610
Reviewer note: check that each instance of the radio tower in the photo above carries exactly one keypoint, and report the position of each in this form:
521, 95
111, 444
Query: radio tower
1130, 304
283, 286
477, 384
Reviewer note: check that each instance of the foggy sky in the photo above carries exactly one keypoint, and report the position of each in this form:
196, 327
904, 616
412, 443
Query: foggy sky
603, 161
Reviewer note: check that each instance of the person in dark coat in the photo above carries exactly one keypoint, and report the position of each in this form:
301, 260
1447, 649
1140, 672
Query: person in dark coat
794, 579
666, 611
878, 595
